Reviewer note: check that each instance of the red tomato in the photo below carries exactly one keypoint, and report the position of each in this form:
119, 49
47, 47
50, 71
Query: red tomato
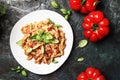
96, 26
82, 76
75, 4
88, 33
84, 6
91, 73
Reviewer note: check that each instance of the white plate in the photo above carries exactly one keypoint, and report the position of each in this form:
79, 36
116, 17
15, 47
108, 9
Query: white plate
16, 35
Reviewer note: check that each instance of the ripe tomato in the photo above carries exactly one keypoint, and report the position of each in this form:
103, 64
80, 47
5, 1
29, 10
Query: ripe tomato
91, 73
95, 26
75, 4
84, 6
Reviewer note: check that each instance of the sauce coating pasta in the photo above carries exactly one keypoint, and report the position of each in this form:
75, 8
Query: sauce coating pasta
43, 41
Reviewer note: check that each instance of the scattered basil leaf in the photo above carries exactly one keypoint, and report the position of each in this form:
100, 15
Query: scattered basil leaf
66, 17
13, 69
82, 43
17, 71
24, 73
80, 59
20, 69
69, 12
54, 4
64, 11
55, 61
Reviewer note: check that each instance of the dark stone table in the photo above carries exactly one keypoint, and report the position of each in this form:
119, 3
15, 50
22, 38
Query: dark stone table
104, 55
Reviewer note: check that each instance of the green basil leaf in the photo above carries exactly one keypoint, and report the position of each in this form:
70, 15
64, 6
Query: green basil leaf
24, 73
66, 17
64, 11
17, 71
80, 59
40, 32
57, 25
46, 41
48, 35
19, 43
69, 12
55, 41
18, 67
33, 37
28, 50
42, 49
38, 38
54, 4
55, 61
13, 69
82, 43
50, 20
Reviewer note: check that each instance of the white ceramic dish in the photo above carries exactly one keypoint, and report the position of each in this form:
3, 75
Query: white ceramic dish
16, 35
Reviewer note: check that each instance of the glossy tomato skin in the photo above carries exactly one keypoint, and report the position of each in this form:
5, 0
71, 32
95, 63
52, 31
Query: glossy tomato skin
84, 6
96, 26
93, 37
75, 4
97, 16
82, 76
84, 10
104, 31
88, 33
104, 22
91, 73
90, 5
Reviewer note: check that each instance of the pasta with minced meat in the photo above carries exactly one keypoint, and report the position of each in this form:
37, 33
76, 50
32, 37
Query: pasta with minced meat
43, 41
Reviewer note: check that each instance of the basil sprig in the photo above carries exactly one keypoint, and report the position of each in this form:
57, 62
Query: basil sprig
44, 37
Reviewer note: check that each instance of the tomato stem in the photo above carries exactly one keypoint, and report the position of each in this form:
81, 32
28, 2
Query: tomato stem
89, 79
95, 26
96, 3
83, 2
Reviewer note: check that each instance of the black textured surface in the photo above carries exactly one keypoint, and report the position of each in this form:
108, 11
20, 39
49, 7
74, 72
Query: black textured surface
104, 55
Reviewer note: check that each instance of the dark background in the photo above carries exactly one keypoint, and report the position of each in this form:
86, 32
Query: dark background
104, 55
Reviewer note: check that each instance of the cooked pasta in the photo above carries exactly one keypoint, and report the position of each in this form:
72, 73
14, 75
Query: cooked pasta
43, 41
